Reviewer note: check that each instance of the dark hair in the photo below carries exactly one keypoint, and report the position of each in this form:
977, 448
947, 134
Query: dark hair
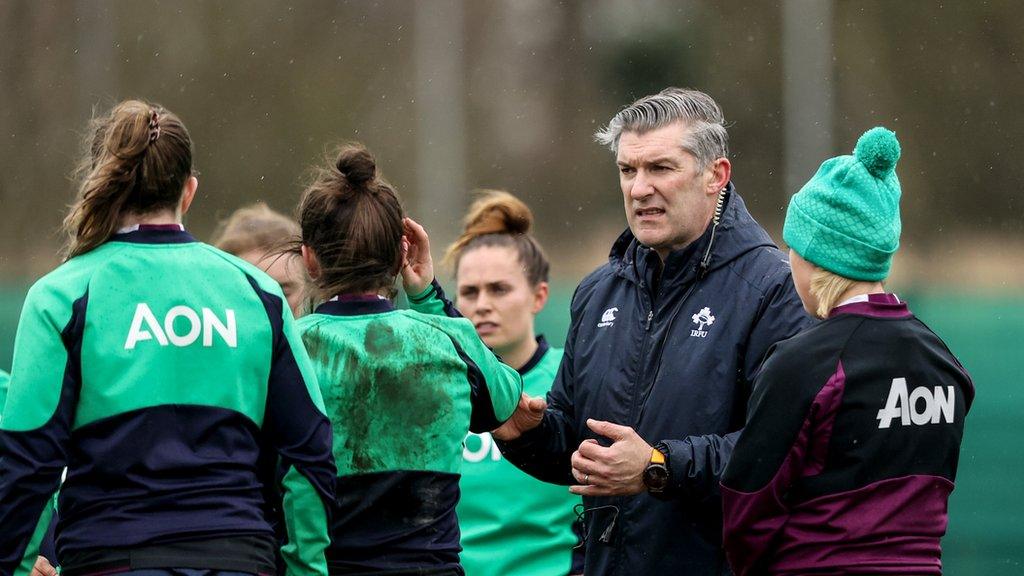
498, 218
352, 220
137, 159
255, 227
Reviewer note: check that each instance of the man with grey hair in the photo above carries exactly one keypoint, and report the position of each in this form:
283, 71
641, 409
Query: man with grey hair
662, 349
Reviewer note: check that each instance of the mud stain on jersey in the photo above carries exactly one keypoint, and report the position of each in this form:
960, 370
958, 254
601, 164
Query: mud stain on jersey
388, 395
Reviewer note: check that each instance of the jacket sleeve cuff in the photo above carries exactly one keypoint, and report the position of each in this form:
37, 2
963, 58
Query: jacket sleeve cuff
696, 463
526, 442
678, 460
540, 453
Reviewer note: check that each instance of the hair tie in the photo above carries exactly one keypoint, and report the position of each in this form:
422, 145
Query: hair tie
154, 126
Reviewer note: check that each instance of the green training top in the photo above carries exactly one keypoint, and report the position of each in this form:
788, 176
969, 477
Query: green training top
28, 559
401, 389
161, 371
513, 524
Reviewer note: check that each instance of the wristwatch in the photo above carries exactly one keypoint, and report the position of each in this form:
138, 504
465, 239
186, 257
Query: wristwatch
656, 473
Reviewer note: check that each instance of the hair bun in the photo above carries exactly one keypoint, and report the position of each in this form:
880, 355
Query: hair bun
356, 164
497, 212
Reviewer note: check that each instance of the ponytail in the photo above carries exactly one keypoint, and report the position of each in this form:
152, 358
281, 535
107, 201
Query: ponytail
498, 218
352, 219
137, 160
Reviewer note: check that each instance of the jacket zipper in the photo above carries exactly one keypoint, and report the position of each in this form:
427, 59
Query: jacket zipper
642, 368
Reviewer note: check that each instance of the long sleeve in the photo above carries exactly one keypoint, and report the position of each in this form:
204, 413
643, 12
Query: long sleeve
495, 388
433, 301
546, 451
789, 413
37, 415
696, 463
31, 553
781, 316
296, 422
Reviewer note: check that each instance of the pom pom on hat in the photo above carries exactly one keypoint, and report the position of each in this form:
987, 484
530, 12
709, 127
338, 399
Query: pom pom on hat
879, 150
846, 219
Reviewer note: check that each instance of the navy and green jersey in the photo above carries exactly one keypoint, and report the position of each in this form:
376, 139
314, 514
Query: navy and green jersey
168, 377
401, 389
28, 557
513, 524
5, 381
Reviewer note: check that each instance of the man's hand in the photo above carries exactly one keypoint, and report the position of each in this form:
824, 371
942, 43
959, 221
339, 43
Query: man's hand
417, 265
528, 415
616, 470
43, 568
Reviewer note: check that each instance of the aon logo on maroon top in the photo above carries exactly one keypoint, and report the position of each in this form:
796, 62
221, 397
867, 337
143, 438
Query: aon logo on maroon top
146, 327
922, 406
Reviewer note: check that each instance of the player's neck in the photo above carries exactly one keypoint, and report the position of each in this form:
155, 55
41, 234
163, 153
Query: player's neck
517, 356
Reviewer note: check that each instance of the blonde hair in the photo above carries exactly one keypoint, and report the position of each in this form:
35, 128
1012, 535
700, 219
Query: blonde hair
828, 287
255, 227
498, 218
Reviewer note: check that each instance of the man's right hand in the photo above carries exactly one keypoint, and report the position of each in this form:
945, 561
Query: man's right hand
528, 415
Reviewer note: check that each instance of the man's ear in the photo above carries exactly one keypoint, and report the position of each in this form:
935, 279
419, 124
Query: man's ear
188, 194
312, 263
718, 175
540, 297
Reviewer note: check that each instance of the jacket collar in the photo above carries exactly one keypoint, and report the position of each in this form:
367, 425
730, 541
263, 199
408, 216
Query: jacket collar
542, 349
153, 234
737, 234
355, 305
875, 306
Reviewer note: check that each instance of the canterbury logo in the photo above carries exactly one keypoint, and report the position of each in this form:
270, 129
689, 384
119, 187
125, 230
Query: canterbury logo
185, 332
608, 318
920, 407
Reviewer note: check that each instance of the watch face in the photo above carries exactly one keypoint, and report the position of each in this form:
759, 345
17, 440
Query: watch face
656, 476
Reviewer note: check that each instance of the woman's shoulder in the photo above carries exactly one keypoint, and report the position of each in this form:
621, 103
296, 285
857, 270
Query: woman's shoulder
70, 280
804, 362
458, 327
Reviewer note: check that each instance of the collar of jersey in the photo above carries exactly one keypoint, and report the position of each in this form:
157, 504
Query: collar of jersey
154, 234
876, 305
355, 306
542, 348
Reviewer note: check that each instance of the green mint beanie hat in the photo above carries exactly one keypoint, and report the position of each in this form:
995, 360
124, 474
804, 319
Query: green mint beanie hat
846, 219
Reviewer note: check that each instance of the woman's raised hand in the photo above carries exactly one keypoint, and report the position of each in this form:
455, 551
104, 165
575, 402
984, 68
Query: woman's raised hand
418, 266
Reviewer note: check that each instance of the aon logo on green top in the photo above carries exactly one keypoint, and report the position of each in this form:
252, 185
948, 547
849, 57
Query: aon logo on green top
480, 447
184, 332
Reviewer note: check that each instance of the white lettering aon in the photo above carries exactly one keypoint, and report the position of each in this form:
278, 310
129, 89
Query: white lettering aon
938, 405
145, 327
488, 449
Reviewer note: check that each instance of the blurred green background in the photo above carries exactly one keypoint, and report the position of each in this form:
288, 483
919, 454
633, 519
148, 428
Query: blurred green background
453, 96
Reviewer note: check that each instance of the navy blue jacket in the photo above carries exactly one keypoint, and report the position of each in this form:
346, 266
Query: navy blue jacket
673, 356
